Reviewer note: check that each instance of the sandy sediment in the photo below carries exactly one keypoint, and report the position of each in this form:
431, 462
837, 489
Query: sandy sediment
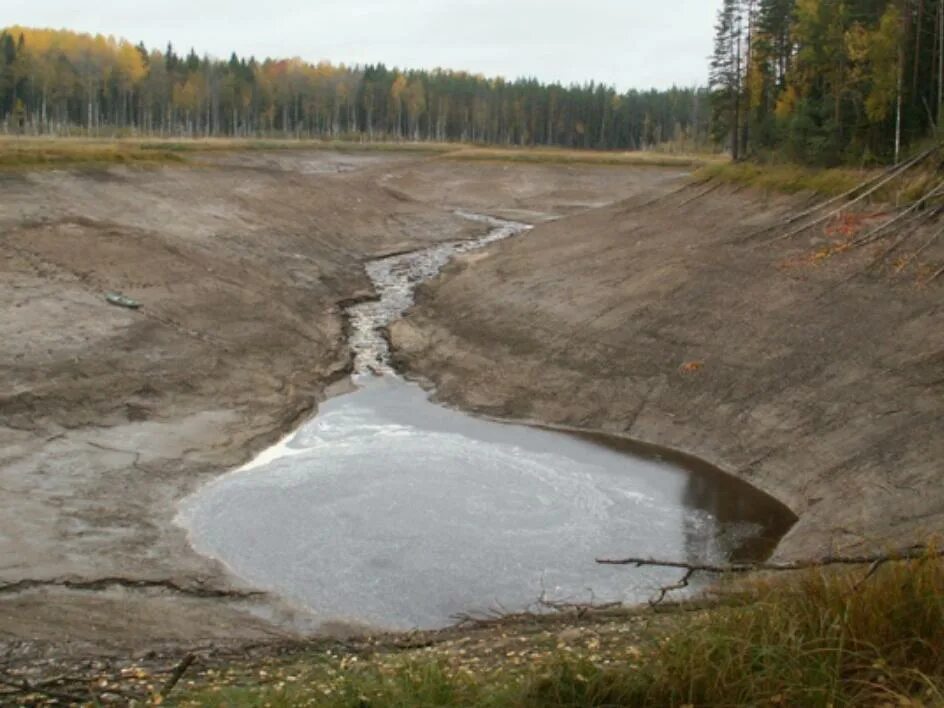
818, 383
819, 380
108, 417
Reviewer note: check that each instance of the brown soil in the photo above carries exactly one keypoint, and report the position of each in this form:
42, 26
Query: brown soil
109, 416
817, 383
787, 362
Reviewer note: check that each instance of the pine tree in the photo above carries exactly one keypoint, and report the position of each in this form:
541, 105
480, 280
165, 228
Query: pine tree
726, 75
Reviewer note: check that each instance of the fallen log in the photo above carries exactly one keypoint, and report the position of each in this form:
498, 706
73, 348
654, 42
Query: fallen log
873, 183
874, 188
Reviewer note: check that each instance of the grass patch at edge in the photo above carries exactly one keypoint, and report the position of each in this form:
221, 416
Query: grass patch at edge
542, 155
51, 151
48, 155
821, 638
827, 182
784, 178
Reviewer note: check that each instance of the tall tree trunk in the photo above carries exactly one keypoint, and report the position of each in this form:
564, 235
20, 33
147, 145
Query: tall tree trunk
746, 130
901, 80
940, 63
917, 51
736, 88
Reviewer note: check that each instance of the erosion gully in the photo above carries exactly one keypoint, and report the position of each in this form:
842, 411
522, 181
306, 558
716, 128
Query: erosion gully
388, 511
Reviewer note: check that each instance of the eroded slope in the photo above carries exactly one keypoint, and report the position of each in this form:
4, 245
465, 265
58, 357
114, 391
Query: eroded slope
816, 380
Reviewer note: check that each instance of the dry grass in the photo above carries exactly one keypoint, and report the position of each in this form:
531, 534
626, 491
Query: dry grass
33, 153
18, 153
199, 145
820, 639
543, 155
824, 639
792, 179
785, 178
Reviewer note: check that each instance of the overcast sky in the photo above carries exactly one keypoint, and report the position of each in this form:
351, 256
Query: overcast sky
628, 43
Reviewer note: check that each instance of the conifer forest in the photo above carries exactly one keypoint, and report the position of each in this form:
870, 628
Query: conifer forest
814, 81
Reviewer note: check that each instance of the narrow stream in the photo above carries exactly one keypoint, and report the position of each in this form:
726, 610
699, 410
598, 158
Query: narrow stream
389, 511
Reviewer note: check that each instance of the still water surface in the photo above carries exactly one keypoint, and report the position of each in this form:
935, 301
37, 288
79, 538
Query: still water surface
391, 511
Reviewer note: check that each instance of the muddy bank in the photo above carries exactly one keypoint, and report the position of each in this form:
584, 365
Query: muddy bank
108, 417
388, 511
814, 379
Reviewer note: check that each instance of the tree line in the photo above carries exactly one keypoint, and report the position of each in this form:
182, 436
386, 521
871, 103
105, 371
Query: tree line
827, 81
61, 82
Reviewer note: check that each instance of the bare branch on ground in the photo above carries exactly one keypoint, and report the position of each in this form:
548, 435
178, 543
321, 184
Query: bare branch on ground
873, 561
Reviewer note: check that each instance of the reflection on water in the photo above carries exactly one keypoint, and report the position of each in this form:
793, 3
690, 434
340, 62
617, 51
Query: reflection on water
391, 511
729, 500
388, 510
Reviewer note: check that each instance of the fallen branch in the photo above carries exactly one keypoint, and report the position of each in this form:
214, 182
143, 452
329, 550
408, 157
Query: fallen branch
911, 553
579, 608
891, 172
874, 561
927, 244
701, 194
177, 674
25, 687
918, 203
871, 190
913, 225
659, 198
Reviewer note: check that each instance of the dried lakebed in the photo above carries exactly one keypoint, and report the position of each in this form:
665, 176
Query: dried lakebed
389, 511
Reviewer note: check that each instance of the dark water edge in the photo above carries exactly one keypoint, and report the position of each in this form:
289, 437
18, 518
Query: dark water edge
387, 510
727, 498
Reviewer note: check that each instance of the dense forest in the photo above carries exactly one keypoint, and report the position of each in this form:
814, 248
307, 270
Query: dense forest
817, 81
827, 81
61, 82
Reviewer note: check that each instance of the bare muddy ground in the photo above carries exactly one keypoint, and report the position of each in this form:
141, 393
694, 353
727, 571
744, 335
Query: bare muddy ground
812, 376
108, 417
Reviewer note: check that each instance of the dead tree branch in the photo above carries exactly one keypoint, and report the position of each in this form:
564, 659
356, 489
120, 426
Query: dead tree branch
872, 184
918, 203
25, 687
868, 192
579, 608
177, 674
874, 561
662, 197
913, 225
925, 246
701, 194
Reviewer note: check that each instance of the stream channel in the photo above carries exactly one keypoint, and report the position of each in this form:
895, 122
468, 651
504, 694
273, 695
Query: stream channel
389, 511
